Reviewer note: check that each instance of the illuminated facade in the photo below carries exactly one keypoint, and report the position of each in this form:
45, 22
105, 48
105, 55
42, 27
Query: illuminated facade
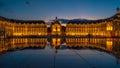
109, 27
104, 27
23, 28
56, 28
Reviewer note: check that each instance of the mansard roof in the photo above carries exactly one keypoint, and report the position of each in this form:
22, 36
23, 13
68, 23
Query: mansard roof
22, 21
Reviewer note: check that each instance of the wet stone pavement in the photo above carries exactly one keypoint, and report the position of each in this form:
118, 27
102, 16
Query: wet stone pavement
58, 58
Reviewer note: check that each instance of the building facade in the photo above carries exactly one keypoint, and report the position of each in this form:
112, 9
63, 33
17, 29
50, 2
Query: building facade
23, 28
55, 27
109, 27
105, 27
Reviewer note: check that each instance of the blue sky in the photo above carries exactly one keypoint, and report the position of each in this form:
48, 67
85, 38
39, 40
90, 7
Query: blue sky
49, 9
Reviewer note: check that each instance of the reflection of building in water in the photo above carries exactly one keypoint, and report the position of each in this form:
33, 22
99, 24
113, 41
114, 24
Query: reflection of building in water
108, 27
20, 43
56, 42
2, 46
28, 42
111, 45
78, 42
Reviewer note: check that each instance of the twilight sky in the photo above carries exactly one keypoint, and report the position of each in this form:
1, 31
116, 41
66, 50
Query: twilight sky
49, 9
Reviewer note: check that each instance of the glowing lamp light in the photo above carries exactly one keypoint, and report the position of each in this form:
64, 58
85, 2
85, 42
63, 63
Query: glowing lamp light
54, 29
72, 33
109, 45
17, 34
39, 33
58, 29
58, 40
109, 28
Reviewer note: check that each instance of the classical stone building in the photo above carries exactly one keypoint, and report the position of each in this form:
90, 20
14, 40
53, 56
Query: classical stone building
55, 27
109, 27
23, 28
104, 27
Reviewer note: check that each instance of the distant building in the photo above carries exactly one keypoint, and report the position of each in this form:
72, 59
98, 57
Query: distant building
23, 28
105, 27
108, 27
56, 28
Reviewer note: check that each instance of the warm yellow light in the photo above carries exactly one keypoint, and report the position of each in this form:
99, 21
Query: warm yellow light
109, 42
39, 33
109, 28
58, 40
17, 34
54, 29
109, 45
72, 33
101, 33
58, 29
54, 39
